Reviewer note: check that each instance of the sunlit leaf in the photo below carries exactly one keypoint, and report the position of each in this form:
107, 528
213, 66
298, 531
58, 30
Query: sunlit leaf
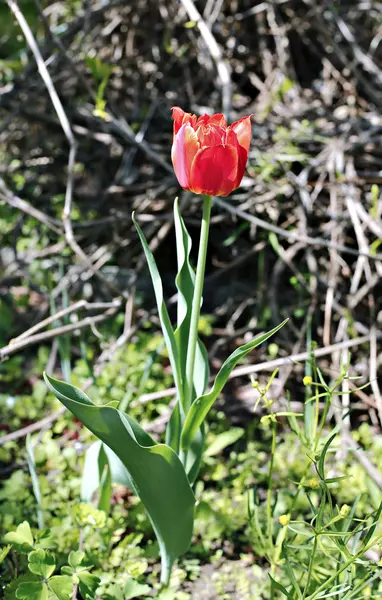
164, 318
32, 590
41, 562
22, 536
60, 587
202, 405
156, 473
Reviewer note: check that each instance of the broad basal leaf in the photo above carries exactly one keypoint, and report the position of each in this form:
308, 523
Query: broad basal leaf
202, 405
156, 473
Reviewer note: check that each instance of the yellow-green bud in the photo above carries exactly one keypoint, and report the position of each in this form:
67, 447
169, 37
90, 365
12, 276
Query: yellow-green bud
313, 483
284, 520
265, 420
307, 380
344, 511
87, 514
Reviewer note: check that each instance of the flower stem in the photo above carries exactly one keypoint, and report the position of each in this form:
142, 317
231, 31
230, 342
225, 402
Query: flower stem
196, 301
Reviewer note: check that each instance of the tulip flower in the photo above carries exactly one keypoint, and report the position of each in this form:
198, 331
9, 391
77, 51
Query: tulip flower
208, 156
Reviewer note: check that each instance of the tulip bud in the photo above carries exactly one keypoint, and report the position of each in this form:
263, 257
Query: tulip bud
209, 157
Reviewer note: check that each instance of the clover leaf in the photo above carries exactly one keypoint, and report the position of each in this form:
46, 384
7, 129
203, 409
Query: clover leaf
80, 575
32, 590
134, 589
22, 537
60, 587
41, 562
75, 558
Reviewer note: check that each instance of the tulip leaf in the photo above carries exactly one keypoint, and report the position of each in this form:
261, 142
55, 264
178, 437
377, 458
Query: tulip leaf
156, 473
202, 404
164, 318
99, 460
185, 283
173, 429
104, 482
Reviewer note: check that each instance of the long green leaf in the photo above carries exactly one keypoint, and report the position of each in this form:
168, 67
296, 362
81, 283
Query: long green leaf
164, 318
185, 281
202, 405
275, 585
156, 473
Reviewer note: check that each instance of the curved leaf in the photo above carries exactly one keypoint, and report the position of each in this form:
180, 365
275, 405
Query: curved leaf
166, 326
185, 281
202, 405
156, 473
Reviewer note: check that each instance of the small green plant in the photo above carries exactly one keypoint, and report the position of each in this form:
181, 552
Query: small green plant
320, 551
40, 582
101, 73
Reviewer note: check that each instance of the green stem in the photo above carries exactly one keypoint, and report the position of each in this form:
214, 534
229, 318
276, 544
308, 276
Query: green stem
270, 485
196, 301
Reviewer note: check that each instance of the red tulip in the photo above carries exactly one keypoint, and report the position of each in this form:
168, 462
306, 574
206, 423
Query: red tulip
208, 156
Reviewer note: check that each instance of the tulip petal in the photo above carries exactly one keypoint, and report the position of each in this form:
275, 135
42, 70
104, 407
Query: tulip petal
242, 162
180, 118
218, 119
184, 148
231, 140
214, 171
210, 135
177, 115
243, 130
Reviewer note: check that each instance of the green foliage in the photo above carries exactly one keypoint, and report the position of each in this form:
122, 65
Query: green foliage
41, 563
203, 404
299, 550
78, 569
22, 537
154, 469
101, 73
